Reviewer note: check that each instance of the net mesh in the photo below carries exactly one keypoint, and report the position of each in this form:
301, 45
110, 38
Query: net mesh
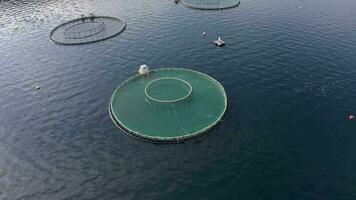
80, 29
185, 103
168, 92
211, 4
87, 30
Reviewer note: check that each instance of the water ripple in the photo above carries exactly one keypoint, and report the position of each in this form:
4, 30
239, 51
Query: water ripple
288, 70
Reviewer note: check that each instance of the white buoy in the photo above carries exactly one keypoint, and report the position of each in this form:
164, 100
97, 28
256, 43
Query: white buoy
204, 34
38, 87
219, 42
143, 70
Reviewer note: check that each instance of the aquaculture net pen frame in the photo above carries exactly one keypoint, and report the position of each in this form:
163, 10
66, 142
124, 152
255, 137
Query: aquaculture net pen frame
106, 27
220, 6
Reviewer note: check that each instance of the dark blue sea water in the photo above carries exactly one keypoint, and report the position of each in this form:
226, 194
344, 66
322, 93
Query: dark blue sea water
289, 70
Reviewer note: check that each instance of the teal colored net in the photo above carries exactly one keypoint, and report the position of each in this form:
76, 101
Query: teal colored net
168, 92
168, 104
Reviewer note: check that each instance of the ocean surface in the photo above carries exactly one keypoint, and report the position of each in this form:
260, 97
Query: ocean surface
289, 71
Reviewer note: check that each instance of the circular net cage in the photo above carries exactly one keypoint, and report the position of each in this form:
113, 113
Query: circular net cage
87, 30
210, 4
168, 105
168, 92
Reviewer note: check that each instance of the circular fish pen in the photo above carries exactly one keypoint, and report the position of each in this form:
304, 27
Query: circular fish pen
86, 30
168, 105
210, 4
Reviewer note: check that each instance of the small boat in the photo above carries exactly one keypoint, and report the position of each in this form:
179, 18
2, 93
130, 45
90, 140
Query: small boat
219, 42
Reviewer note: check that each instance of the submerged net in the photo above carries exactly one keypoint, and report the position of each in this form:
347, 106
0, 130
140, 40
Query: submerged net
168, 104
87, 30
210, 4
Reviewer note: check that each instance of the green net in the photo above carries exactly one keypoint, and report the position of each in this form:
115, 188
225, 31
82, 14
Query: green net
210, 4
168, 104
168, 92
